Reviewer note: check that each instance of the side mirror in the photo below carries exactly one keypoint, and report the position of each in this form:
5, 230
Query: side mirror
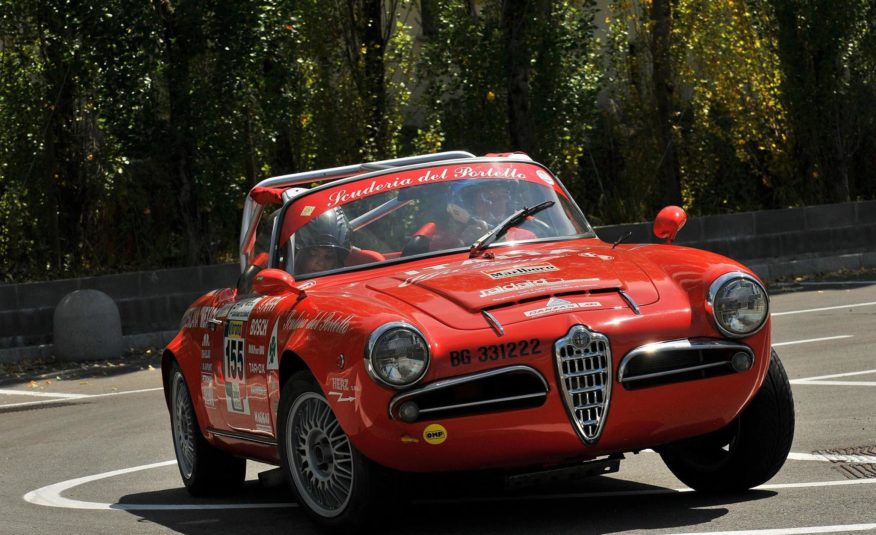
275, 282
668, 222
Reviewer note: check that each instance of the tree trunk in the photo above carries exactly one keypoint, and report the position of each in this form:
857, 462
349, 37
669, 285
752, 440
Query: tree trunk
180, 148
515, 24
661, 17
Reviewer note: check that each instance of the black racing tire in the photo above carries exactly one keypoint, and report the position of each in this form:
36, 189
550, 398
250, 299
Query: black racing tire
205, 469
338, 487
746, 453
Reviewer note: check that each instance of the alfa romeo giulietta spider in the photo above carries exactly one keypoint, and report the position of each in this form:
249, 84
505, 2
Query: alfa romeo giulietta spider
448, 312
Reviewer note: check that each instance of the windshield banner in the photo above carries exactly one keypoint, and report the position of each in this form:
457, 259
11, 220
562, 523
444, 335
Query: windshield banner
311, 206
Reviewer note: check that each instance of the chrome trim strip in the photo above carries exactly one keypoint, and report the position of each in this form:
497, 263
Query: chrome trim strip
567, 393
372, 341
453, 381
243, 436
486, 402
494, 323
632, 304
713, 292
686, 344
675, 372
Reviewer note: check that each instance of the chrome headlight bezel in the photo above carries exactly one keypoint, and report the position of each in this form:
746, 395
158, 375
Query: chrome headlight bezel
372, 345
715, 291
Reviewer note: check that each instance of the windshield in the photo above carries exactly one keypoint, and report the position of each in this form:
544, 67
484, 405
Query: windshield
424, 211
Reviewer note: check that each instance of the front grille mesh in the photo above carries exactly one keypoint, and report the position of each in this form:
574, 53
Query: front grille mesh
585, 378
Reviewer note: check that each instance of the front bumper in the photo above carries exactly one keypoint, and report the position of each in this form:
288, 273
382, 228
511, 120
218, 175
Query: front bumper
583, 412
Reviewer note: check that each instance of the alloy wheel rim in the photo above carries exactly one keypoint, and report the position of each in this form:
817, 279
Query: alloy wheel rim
183, 432
320, 455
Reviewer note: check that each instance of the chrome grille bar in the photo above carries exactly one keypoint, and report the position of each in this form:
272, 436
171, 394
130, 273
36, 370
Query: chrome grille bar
583, 361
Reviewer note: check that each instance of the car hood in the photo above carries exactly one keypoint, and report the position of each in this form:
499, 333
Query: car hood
520, 284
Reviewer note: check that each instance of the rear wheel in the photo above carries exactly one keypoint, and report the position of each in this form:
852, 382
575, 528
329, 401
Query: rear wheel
746, 453
335, 484
205, 469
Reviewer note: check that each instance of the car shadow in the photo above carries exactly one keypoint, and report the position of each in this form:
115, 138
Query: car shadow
461, 504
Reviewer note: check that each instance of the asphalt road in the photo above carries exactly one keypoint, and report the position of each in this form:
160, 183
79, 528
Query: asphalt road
92, 427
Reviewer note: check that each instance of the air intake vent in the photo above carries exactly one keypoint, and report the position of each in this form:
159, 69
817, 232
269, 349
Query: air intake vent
584, 370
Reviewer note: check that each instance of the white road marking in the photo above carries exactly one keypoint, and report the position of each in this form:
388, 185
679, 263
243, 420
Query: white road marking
834, 283
50, 496
789, 531
79, 397
820, 380
833, 458
814, 340
40, 394
853, 305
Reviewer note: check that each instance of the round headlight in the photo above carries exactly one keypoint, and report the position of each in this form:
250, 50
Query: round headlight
397, 355
739, 304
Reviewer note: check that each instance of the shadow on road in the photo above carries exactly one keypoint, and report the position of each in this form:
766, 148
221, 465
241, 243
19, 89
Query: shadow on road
459, 504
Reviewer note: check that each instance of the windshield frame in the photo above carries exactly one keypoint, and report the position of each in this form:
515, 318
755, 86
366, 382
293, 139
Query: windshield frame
277, 230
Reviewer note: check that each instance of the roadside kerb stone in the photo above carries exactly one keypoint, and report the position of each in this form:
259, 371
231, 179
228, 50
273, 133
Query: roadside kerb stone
87, 326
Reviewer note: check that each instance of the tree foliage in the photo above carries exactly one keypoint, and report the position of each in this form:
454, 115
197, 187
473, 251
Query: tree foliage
130, 131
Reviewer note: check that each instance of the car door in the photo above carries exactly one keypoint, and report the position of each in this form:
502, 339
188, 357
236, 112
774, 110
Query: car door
240, 366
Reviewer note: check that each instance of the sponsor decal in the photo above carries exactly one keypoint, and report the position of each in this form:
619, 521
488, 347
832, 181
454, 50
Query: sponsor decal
515, 287
306, 285
487, 172
268, 304
496, 352
604, 257
256, 368
273, 361
207, 313
242, 309
190, 318
307, 210
327, 322
207, 391
555, 304
522, 270
262, 421
435, 434
341, 397
258, 390
534, 286
235, 329
207, 367
234, 369
545, 177
377, 185
407, 439
205, 342
258, 327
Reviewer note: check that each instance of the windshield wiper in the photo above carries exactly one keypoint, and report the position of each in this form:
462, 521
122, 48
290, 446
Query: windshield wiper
499, 230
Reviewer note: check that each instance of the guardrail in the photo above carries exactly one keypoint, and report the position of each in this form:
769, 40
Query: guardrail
775, 243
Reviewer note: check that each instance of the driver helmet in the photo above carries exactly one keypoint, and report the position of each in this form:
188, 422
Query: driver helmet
330, 230
484, 199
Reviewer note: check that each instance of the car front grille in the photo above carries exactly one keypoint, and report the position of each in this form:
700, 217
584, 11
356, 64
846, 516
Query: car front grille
584, 371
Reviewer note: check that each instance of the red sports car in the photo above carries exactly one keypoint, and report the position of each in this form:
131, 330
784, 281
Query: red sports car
449, 312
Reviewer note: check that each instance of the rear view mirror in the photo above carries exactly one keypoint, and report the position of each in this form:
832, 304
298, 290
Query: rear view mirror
668, 222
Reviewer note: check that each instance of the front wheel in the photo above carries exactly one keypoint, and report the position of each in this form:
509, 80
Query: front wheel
335, 484
746, 453
205, 469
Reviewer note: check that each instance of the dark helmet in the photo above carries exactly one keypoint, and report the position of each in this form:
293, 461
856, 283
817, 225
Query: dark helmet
330, 229
491, 196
